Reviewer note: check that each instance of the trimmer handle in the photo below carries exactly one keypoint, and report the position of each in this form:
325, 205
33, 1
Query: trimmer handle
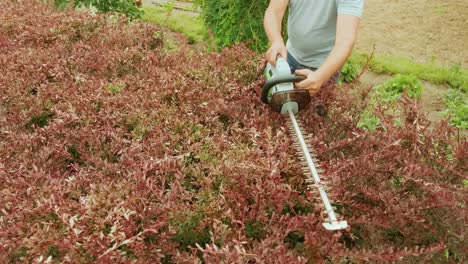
274, 81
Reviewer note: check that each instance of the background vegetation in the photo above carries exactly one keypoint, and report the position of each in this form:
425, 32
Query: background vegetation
190, 25
126, 7
232, 21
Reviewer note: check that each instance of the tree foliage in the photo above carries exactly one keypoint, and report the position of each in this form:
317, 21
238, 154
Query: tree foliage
126, 7
234, 21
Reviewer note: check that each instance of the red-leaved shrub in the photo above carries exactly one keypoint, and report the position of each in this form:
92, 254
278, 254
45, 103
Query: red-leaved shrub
121, 142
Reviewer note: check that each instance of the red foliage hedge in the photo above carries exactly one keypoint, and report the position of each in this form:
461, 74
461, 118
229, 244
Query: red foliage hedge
117, 145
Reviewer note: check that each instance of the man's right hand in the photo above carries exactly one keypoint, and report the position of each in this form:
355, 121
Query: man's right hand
273, 23
275, 50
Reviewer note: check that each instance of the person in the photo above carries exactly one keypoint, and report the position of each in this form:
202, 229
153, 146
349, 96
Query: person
321, 37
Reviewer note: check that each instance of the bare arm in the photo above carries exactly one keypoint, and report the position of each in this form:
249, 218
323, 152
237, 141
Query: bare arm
272, 22
346, 33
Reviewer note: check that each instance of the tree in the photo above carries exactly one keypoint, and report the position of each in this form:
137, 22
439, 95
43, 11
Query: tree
130, 8
235, 21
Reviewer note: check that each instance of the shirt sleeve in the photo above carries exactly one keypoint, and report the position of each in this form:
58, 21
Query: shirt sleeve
350, 7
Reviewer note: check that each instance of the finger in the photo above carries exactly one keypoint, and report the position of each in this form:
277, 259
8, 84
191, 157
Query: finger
302, 72
302, 84
314, 91
272, 58
284, 53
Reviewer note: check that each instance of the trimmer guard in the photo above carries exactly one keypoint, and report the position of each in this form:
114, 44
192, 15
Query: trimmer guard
275, 81
301, 97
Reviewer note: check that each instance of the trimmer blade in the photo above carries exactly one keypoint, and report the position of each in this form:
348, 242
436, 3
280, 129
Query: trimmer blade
311, 169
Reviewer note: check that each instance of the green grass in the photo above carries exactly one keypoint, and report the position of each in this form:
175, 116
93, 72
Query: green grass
457, 108
454, 76
388, 94
189, 25
441, 10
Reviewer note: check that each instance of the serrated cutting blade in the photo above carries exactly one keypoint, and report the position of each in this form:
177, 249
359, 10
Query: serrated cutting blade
310, 169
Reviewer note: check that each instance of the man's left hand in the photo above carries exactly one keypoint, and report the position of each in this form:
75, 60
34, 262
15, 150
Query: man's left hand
312, 83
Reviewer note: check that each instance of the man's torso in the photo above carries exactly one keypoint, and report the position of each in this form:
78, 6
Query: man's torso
312, 27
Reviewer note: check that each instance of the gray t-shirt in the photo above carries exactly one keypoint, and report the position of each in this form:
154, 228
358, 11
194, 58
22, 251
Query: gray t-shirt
312, 27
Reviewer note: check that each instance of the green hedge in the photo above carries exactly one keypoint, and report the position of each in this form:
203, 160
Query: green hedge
235, 21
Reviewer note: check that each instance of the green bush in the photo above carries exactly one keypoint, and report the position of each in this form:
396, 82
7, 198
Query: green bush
234, 21
392, 90
368, 121
126, 7
457, 109
349, 72
388, 94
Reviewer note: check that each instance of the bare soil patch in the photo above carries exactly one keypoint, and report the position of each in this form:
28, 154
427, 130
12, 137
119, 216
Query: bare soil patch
423, 30
420, 29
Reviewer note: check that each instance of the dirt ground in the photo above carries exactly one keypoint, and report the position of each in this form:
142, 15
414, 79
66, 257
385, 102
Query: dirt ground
419, 29
423, 30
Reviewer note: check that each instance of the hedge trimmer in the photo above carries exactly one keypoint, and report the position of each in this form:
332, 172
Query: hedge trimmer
280, 94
